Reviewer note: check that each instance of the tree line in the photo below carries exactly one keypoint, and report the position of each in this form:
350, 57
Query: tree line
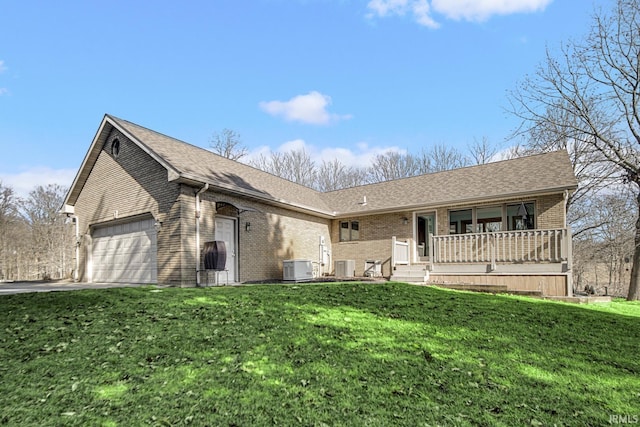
36, 242
298, 166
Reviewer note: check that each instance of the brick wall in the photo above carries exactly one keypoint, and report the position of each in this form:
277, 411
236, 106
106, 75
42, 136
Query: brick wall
374, 242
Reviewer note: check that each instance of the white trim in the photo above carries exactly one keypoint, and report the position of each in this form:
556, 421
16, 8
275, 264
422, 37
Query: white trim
236, 262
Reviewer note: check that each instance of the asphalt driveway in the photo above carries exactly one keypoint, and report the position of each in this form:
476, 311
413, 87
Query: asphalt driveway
7, 288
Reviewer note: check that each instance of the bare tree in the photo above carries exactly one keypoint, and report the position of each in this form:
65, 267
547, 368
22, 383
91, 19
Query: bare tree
227, 143
295, 165
392, 165
50, 235
558, 131
440, 158
8, 220
302, 169
482, 151
274, 163
334, 175
602, 254
596, 82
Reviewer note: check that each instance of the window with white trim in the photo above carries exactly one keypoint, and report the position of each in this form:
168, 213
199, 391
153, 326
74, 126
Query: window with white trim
487, 219
349, 230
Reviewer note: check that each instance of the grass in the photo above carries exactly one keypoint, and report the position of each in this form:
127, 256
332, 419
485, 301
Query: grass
346, 354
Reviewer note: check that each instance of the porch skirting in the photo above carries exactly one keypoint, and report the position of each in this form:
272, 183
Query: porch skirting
545, 284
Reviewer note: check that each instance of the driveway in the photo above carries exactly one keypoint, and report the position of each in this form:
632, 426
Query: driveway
7, 288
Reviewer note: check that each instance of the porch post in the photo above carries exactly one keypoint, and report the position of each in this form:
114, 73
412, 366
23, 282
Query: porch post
413, 256
431, 253
492, 250
393, 253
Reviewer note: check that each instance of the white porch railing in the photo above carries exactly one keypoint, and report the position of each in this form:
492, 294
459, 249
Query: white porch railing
526, 246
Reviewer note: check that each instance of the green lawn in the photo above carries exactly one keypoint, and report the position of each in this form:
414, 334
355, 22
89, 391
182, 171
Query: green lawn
334, 354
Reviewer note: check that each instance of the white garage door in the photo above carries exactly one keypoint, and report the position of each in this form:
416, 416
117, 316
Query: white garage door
125, 253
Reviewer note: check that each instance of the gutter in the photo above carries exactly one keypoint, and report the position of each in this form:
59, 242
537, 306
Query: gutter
202, 190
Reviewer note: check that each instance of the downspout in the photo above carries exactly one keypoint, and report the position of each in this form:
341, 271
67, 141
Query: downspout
202, 190
77, 245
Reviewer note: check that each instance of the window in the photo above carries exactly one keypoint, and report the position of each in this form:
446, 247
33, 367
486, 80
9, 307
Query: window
489, 219
349, 230
460, 222
521, 216
115, 148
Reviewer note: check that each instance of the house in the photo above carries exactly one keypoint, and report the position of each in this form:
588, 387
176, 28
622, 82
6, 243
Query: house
146, 206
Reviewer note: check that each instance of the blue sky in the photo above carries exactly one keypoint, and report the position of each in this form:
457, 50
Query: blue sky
342, 78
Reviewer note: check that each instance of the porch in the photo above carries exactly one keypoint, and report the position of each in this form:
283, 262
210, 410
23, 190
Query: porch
522, 260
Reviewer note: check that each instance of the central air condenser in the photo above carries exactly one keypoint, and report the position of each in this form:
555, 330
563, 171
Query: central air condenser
345, 268
297, 270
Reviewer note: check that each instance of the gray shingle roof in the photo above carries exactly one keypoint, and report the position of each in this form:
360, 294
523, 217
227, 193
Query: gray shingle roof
521, 177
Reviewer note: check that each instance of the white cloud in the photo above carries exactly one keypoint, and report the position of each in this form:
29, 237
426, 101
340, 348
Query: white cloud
388, 7
420, 9
467, 10
481, 10
310, 108
26, 181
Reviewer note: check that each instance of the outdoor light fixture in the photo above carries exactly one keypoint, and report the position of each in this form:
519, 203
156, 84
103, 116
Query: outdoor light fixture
247, 226
405, 220
157, 225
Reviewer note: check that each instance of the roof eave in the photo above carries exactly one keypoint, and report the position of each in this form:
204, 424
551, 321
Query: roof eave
88, 162
455, 203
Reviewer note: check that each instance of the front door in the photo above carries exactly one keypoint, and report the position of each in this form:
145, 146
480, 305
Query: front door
226, 231
426, 228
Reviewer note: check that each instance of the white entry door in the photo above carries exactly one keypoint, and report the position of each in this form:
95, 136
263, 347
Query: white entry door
226, 231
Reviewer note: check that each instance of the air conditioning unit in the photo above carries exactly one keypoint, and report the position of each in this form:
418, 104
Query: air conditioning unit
345, 268
297, 270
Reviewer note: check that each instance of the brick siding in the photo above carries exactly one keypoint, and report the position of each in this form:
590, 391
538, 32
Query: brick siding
276, 234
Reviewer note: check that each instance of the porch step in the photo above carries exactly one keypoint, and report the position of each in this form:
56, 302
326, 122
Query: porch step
416, 273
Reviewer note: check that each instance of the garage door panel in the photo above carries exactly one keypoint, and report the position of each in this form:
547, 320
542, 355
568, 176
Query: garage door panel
125, 253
